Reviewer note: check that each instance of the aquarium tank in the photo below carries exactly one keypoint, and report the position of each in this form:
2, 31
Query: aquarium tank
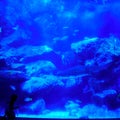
61, 58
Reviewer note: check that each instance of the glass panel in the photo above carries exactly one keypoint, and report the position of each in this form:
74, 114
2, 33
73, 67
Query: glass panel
60, 58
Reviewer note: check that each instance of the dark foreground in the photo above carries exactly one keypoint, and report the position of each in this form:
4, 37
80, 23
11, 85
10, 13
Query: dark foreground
38, 119
20, 118
58, 119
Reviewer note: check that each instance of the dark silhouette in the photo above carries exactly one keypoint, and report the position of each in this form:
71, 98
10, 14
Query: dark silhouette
9, 111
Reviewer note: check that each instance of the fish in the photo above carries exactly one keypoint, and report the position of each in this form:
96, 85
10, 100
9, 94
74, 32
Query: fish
13, 87
28, 99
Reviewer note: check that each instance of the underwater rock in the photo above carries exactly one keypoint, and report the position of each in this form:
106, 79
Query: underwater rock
107, 72
79, 46
70, 81
36, 50
52, 56
36, 107
99, 99
48, 87
86, 49
73, 108
35, 84
13, 75
109, 46
112, 101
100, 50
18, 67
40, 67
25, 51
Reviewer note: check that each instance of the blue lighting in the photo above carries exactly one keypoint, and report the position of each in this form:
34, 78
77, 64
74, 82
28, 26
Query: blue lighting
46, 1
61, 58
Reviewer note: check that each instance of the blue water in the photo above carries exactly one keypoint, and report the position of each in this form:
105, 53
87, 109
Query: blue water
61, 57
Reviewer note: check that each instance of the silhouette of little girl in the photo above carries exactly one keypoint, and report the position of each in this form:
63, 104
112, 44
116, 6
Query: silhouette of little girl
9, 111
